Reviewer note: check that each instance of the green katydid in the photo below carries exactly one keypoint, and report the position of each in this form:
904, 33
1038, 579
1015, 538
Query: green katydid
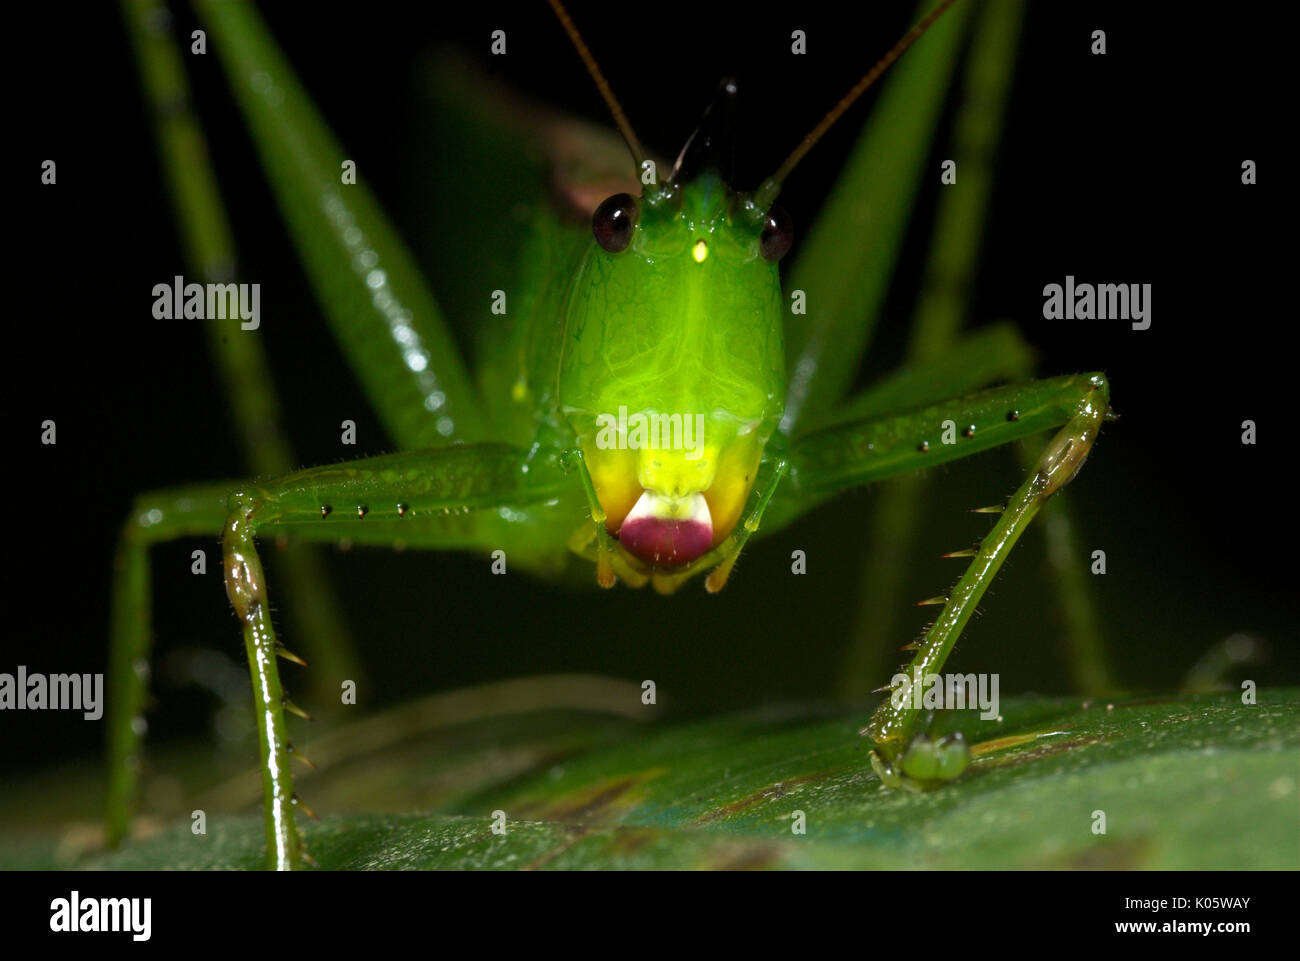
639, 418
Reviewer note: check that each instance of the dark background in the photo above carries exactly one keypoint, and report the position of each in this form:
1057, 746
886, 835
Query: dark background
1122, 168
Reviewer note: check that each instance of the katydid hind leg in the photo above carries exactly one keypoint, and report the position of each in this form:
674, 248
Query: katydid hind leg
379, 308
241, 363
903, 752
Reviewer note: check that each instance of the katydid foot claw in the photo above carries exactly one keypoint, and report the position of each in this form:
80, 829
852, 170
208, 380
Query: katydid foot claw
924, 764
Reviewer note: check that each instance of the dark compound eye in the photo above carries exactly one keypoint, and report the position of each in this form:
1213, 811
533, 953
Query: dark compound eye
778, 234
613, 222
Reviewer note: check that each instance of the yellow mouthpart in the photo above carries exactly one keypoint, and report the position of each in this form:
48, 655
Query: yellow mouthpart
723, 474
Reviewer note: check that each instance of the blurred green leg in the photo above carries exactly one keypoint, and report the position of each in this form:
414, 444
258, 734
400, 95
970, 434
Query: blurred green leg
159, 516
846, 283
954, 252
245, 374
882, 582
1067, 569
383, 315
995, 353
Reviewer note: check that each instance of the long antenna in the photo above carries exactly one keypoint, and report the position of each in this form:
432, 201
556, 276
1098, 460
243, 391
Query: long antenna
768, 191
620, 118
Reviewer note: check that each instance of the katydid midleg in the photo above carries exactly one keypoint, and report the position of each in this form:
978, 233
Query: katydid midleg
655, 405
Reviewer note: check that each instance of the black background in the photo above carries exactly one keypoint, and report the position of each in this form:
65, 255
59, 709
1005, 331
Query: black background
1122, 168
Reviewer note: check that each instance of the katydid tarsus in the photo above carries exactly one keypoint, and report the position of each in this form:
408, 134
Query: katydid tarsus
640, 416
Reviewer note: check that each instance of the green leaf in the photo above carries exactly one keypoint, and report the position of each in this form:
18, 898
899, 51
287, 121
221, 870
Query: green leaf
1193, 782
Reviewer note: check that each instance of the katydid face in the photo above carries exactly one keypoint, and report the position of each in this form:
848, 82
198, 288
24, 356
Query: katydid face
673, 372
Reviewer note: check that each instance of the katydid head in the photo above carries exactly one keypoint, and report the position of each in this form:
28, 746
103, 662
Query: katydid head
673, 375
673, 371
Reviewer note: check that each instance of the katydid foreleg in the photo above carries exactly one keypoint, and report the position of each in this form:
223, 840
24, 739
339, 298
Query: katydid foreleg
903, 753
246, 587
980, 358
856, 453
418, 499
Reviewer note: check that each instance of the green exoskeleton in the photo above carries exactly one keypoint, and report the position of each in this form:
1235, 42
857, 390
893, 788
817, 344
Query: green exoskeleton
639, 416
